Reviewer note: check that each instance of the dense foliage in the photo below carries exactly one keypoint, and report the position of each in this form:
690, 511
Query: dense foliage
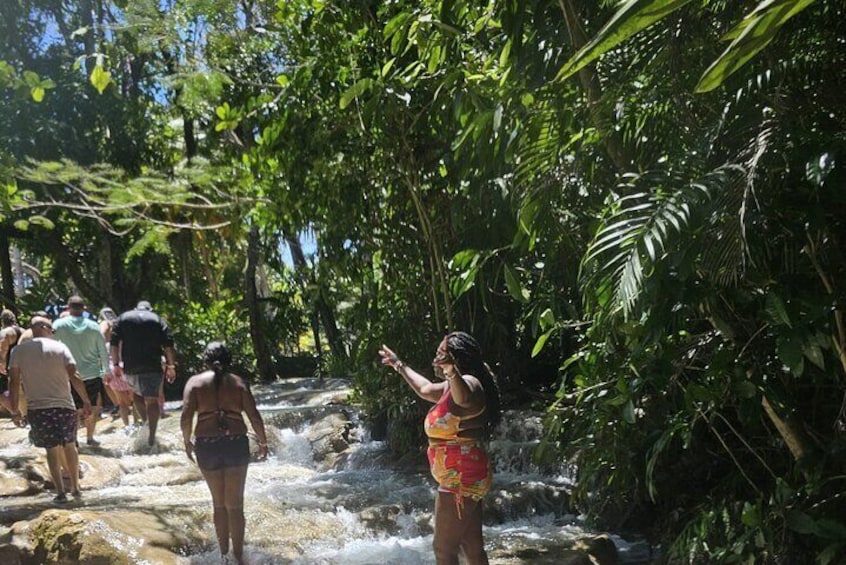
637, 207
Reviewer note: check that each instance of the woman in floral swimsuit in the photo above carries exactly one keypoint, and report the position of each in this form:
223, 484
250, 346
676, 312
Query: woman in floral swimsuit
466, 407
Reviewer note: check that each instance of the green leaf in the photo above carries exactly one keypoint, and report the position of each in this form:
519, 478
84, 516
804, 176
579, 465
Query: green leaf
100, 78
744, 389
356, 90
776, 310
827, 528
830, 553
633, 17
42, 221
790, 352
540, 343
386, 68
547, 319
515, 289
619, 400
751, 516
800, 522
628, 412
750, 36
37, 93
814, 354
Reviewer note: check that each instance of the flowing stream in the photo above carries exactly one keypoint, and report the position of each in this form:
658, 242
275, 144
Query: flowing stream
327, 493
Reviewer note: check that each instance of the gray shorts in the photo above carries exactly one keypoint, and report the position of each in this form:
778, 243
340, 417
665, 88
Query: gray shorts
145, 384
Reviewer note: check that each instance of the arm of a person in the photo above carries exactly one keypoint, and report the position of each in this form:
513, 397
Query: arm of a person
104, 358
467, 392
170, 363
79, 387
116, 360
6, 342
189, 408
256, 421
423, 387
14, 388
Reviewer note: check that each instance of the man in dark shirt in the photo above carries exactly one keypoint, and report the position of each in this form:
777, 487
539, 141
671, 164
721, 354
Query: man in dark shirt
139, 337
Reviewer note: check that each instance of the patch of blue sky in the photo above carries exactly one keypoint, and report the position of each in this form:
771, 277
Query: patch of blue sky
308, 241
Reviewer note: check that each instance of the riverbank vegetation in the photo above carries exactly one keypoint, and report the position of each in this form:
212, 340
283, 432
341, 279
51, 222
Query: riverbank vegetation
637, 207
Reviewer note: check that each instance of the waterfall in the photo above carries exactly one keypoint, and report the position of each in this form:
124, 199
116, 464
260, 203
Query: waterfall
326, 494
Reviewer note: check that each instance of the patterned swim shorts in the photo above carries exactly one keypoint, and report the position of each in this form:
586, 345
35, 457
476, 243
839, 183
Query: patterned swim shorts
50, 427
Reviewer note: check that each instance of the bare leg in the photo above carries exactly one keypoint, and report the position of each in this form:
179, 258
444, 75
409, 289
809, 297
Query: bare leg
112, 394
152, 405
140, 407
55, 466
215, 481
449, 529
453, 533
234, 479
91, 422
71, 456
472, 543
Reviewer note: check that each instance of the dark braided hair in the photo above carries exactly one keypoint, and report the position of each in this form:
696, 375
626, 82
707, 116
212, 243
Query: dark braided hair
467, 354
217, 358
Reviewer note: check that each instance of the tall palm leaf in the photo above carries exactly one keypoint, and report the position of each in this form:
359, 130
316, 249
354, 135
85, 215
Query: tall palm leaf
643, 220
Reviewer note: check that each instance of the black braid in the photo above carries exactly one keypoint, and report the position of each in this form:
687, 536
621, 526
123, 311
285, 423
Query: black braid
217, 358
467, 355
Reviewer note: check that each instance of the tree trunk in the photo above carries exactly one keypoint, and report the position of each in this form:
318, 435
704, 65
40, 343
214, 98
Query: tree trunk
6, 272
264, 358
593, 89
322, 310
105, 260
790, 430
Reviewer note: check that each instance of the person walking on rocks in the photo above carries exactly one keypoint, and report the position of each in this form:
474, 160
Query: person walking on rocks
139, 337
10, 333
220, 444
47, 370
121, 393
83, 338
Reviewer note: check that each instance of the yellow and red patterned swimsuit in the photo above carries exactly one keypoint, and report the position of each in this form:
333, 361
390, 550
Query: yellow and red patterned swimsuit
459, 464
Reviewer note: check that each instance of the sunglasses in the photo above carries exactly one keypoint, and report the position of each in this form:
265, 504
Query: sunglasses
45, 326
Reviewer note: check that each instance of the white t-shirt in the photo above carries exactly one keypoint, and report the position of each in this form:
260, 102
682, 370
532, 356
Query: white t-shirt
43, 363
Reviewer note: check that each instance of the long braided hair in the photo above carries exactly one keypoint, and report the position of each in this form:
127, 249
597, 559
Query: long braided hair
467, 354
218, 359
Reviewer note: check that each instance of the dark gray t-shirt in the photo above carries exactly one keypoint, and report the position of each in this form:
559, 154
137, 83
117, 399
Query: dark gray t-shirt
141, 335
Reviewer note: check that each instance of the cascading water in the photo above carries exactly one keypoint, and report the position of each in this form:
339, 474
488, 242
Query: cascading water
308, 503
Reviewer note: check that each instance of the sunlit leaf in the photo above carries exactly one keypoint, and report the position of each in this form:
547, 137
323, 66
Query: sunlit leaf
751, 35
100, 78
632, 17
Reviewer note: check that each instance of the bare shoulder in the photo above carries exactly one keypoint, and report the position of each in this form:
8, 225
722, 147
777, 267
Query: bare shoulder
472, 382
239, 381
200, 380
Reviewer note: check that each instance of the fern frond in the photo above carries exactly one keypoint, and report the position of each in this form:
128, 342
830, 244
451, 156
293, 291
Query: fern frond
638, 230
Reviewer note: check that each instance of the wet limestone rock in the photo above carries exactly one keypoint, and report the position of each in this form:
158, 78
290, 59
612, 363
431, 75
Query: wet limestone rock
601, 550
15, 548
329, 437
12, 483
115, 538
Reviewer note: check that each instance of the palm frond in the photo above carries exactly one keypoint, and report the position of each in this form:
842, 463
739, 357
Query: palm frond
638, 231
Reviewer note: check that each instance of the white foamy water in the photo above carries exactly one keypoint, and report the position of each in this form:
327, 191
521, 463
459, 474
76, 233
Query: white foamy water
360, 511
